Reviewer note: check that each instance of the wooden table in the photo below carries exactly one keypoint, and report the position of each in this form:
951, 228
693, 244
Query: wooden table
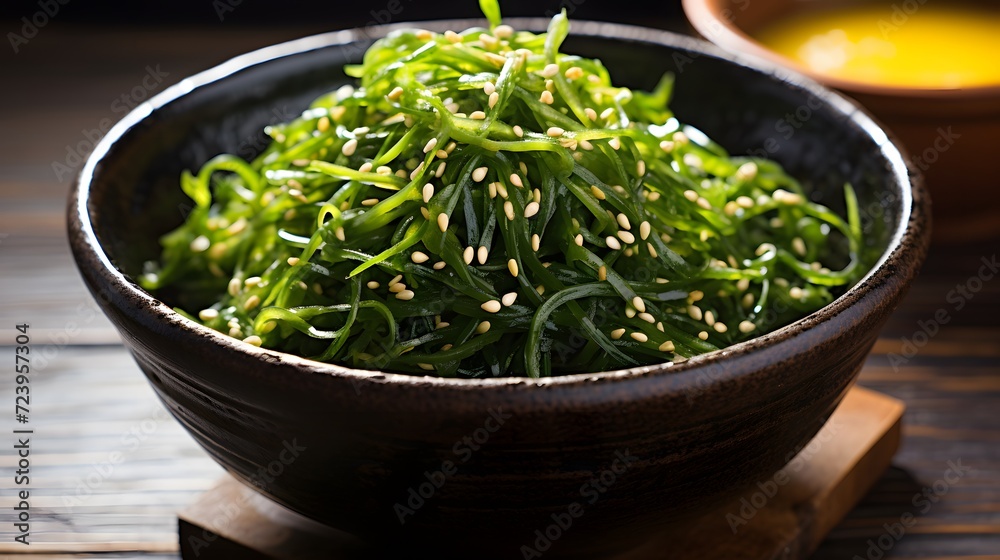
110, 469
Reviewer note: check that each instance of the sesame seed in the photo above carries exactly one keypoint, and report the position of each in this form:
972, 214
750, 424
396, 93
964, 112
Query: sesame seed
623, 221
208, 314
369, 202
234, 286
518, 131
430, 145
606, 114
349, 147
591, 114
747, 327
667, 146
629, 312
479, 174
535, 242
424, 35
428, 192
640, 337
640, 168
647, 317
776, 222
574, 73
365, 167
799, 246
691, 195
540, 289
509, 298
546, 97
452, 36
491, 306
383, 170
252, 282
443, 325
747, 301
372, 285
602, 273
626, 236
442, 220
425, 367
200, 243
612, 243
555, 131
405, 295
531, 209
483, 327
395, 93
489, 88
747, 171
709, 318
477, 115
503, 31
720, 327
549, 70
439, 265
694, 312
253, 340
598, 193
512, 267
667, 346
425, 213
493, 190
482, 254
416, 170
703, 335
440, 169
703, 203
489, 41
339, 232
786, 197
615, 143
441, 154
796, 292
395, 280
468, 255
251, 302
744, 201
578, 239
652, 250
586, 145
617, 333
508, 209
323, 124
681, 138
638, 304
536, 195
515, 180
494, 97
419, 257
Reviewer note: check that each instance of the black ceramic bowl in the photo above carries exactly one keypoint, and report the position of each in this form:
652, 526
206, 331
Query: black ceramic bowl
495, 459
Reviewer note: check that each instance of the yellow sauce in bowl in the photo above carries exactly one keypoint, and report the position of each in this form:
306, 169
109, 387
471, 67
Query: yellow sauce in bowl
931, 45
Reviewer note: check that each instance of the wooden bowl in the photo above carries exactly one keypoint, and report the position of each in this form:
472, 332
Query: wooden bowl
950, 133
476, 467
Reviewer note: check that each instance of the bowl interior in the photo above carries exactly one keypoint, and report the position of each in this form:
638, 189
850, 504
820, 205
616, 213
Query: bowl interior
815, 134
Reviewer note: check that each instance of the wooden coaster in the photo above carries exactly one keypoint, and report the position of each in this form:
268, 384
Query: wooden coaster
785, 516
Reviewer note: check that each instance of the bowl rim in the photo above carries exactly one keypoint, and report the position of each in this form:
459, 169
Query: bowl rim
907, 244
707, 19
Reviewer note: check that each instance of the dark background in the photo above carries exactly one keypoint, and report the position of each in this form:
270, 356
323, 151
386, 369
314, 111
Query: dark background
331, 14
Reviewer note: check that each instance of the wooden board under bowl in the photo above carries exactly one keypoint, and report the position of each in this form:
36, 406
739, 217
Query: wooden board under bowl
783, 517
